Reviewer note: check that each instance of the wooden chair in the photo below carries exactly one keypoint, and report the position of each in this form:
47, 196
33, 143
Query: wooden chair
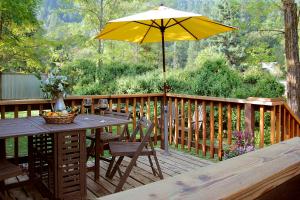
7, 170
106, 136
133, 150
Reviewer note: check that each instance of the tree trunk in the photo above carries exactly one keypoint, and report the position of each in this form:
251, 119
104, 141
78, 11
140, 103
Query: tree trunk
292, 54
100, 47
1, 24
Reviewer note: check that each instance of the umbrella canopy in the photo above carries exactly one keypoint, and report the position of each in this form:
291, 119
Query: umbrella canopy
148, 26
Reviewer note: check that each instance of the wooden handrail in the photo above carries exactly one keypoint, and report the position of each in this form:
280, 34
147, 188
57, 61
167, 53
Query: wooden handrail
249, 176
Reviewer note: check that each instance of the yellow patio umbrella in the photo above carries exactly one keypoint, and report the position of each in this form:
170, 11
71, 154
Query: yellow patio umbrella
160, 25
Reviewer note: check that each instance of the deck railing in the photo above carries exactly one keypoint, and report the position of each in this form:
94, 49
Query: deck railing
220, 117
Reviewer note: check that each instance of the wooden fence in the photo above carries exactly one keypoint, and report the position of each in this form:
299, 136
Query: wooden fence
220, 117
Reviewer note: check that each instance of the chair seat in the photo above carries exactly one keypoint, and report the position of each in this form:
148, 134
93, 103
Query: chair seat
105, 137
128, 149
9, 170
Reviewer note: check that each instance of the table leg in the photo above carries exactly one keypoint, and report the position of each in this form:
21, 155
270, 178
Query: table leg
2, 149
97, 154
30, 158
70, 165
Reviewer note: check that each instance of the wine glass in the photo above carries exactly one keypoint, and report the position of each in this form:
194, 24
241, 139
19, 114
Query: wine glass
103, 104
87, 103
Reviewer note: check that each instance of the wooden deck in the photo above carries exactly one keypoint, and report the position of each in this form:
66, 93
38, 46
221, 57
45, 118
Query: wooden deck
171, 165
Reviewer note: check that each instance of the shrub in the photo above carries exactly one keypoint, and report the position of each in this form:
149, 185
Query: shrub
243, 143
215, 78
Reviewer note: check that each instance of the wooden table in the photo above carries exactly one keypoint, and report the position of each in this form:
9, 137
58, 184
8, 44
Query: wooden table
57, 153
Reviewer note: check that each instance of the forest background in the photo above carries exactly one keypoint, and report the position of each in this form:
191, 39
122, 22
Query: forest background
37, 35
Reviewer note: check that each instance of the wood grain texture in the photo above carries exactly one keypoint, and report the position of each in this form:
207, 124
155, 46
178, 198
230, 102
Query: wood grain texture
261, 126
229, 123
204, 128
245, 177
212, 129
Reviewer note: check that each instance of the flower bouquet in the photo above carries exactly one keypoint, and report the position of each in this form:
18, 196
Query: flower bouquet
56, 86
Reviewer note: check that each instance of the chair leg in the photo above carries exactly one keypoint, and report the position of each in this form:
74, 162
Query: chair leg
126, 174
115, 168
111, 164
158, 167
151, 165
90, 149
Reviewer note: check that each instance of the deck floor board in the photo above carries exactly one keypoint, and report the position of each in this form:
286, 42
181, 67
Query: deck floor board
171, 165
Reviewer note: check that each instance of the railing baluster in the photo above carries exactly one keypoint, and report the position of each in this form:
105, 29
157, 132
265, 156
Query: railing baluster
229, 124
93, 106
119, 110
182, 124
238, 117
72, 103
41, 108
134, 113
16, 139
155, 120
278, 123
148, 109
204, 128
110, 109
220, 131
126, 105
261, 126
212, 130
288, 126
189, 125
28, 110
2, 112
196, 126
142, 107
292, 127
176, 123
2, 141
284, 134
273, 120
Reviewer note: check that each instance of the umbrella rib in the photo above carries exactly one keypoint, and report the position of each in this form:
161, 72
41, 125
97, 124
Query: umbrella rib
146, 24
214, 22
168, 22
100, 35
146, 33
185, 29
158, 26
177, 22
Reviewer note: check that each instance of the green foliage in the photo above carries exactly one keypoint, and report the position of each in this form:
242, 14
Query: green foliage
215, 78
257, 83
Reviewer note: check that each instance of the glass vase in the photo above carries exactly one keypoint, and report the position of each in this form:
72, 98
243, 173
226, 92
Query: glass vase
59, 103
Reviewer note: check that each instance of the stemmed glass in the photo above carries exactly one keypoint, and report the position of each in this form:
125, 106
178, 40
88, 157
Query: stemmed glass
87, 103
103, 104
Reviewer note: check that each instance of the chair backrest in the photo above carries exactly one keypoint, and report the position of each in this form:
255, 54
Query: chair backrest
200, 117
143, 125
119, 115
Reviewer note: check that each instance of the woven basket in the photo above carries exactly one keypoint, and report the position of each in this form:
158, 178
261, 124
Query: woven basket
60, 119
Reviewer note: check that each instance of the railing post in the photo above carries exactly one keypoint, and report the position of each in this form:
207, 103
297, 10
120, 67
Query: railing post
249, 118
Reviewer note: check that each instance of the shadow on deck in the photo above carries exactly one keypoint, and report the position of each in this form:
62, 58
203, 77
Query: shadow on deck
171, 165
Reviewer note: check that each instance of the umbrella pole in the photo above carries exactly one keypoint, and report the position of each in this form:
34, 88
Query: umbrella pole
166, 144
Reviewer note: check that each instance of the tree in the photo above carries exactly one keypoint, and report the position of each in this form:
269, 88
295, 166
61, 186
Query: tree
292, 54
22, 47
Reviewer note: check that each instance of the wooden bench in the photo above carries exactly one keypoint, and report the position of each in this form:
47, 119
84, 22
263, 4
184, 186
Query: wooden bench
259, 174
